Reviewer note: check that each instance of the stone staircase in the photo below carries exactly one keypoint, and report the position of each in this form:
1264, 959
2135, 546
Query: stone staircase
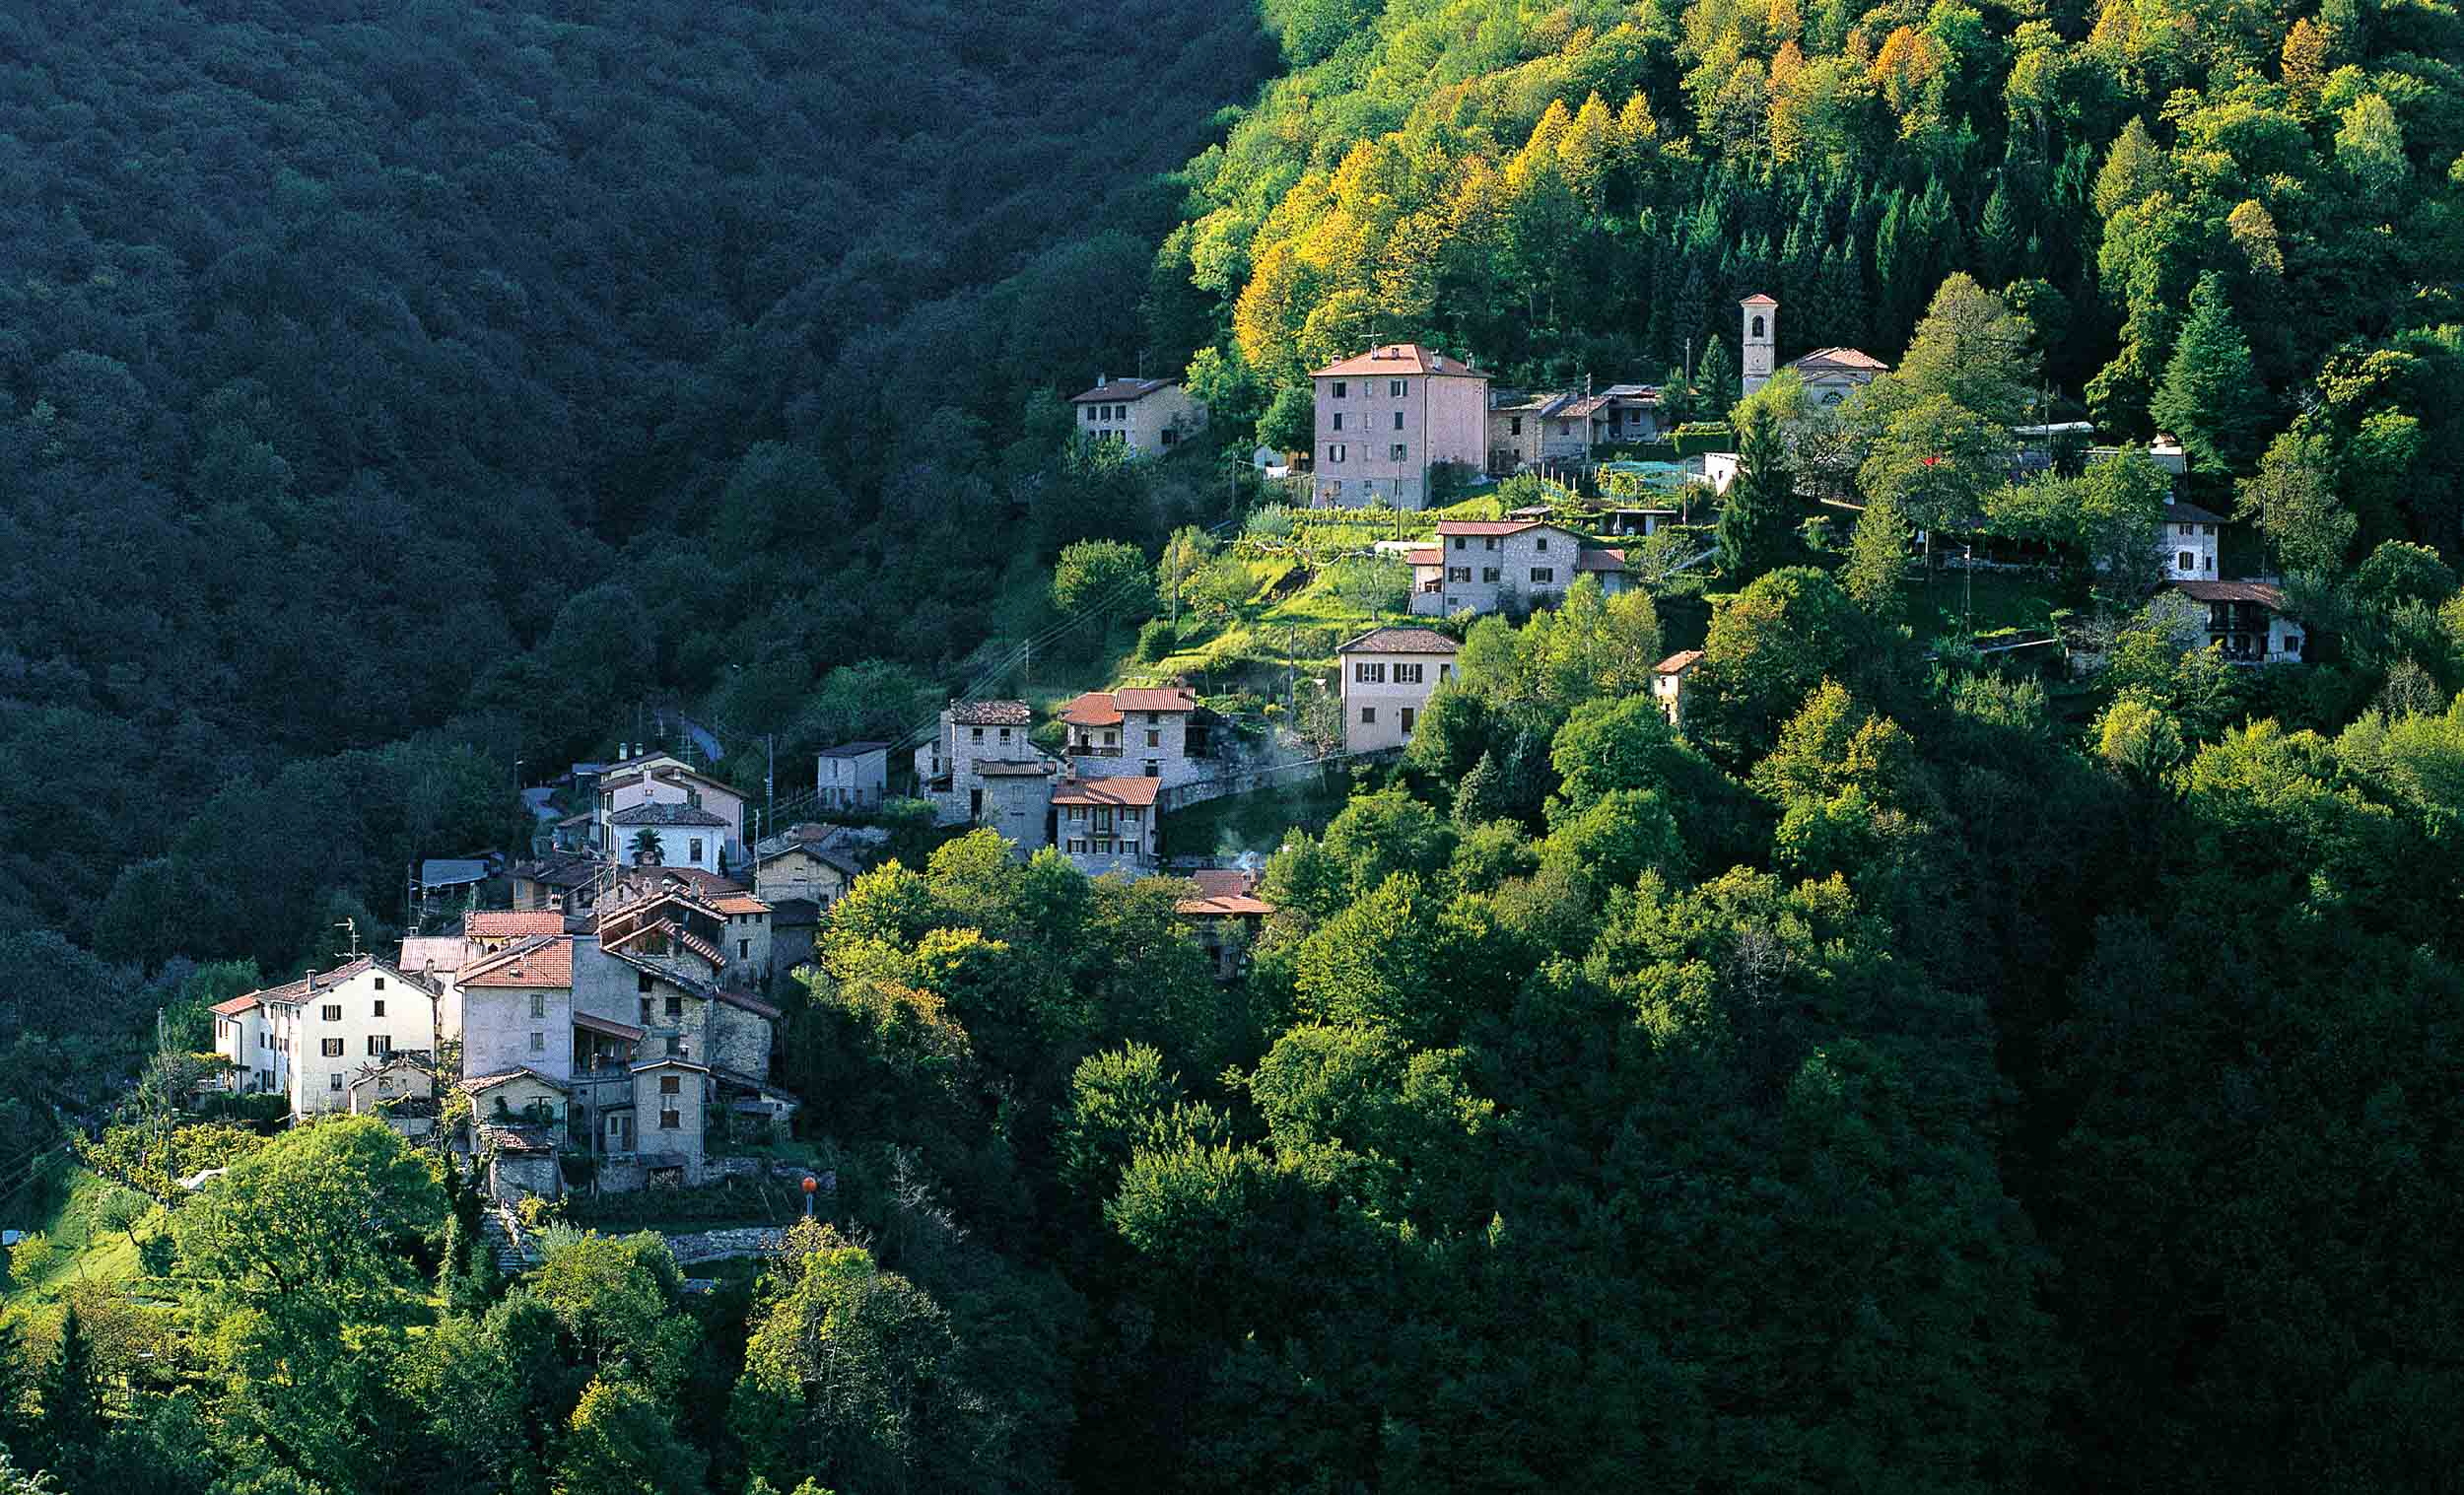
505, 1241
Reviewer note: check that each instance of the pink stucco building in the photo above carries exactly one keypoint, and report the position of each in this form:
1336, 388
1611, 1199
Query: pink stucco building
1389, 415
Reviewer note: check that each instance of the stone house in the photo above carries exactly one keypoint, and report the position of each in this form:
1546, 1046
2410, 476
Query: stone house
1386, 417
1387, 675
1478, 564
1227, 914
1108, 825
1668, 683
2249, 622
1164, 732
1625, 413
687, 835
854, 776
517, 1009
1149, 417
400, 1091
663, 780
1017, 800
1529, 430
557, 880
816, 863
305, 1039
2187, 549
949, 769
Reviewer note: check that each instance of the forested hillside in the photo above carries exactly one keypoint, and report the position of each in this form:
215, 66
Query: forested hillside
431, 383
1581, 189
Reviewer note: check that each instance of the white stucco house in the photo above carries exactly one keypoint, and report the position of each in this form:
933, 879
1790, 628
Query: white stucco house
2187, 549
854, 776
306, 1039
663, 780
1108, 825
2249, 620
1668, 683
1387, 675
687, 836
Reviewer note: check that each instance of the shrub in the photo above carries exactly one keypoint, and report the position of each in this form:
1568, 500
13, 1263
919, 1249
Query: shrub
1156, 638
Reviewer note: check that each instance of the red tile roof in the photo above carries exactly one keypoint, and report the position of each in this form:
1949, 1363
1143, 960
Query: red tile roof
1822, 359
1107, 792
1395, 360
540, 962
492, 924
1427, 555
235, 1005
1154, 699
740, 902
1679, 663
293, 993
1221, 892
1094, 709
1401, 640
1601, 560
1759, 299
1487, 527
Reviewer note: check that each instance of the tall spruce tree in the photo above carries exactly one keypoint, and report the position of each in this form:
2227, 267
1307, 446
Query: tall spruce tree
2212, 399
71, 1401
1715, 379
1753, 525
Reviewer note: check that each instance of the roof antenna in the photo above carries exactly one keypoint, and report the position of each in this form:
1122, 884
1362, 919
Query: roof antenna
352, 927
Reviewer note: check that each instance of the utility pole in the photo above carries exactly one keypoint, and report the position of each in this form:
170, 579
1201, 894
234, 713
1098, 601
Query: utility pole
770, 777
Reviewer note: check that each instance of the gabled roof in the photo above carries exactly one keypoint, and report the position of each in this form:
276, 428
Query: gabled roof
1094, 709
1679, 664
1843, 360
1136, 791
1759, 299
479, 1083
670, 1062
591, 1022
236, 1005
1447, 528
1221, 892
494, 923
1138, 698
1426, 555
2258, 592
1122, 390
740, 902
1401, 640
1394, 361
2180, 513
1601, 560
650, 813
538, 961
855, 749
1015, 768
991, 713
293, 993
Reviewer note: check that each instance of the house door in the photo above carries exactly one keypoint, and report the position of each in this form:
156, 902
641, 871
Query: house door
1407, 720
620, 1133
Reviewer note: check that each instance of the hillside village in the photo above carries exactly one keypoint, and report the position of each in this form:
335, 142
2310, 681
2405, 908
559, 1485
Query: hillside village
613, 1028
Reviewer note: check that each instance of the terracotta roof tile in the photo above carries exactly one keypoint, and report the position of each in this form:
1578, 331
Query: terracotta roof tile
491, 924
1107, 792
1485, 526
1395, 360
1427, 555
1148, 698
235, 1005
1840, 357
542, 962
1679, 663
1094, 709
1601, 560
1221, 892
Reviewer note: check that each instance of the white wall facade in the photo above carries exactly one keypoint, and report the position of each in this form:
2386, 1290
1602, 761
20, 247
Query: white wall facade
518, 1028
1385, 693
339, 1029
679, 846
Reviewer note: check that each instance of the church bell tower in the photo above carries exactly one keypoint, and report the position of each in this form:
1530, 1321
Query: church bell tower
1761, 340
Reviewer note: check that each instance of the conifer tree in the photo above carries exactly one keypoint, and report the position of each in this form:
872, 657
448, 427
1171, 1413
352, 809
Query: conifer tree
71, 1399
1752, 529
1877, 560
2212, 399
1715, 379
1998, 238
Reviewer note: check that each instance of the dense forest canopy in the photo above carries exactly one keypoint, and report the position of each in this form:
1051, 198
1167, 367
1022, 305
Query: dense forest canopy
1921, 1071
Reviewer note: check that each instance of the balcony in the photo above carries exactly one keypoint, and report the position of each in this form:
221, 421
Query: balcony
1090, 750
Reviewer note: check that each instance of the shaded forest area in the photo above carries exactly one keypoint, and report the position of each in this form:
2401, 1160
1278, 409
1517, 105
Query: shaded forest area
430, 383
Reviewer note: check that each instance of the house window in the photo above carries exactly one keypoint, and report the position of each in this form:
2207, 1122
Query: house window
1406, 722
1445, 672
674, 1006
1514, 424
1334, 453
1154, 739
332, 1012
694, 855
676, 1045
1368, 715
333, 1081
615, 1129
1458, 572
539, 1041
1488, 542
1368, 674
1490, 574
1544, 574
2184, 529
2185, 561
330, 1048
1340, 388
1459, 542
1539, 542
1170, 436
1565, 427
379, 1044
1407, 674
1399, 452
1078, 848
642, 981
1399, 388
646, 1012
381, 983
744, 949
1757, 326
380, 1006
539, 1002
1398, 420
975, 735
1338, 420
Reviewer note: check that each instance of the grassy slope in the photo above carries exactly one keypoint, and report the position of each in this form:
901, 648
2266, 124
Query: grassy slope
79, 1249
